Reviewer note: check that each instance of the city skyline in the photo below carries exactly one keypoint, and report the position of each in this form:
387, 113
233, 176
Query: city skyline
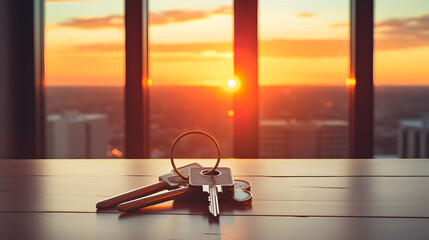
177, 109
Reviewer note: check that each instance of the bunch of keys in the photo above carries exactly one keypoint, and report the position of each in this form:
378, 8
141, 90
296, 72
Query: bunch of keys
185, 181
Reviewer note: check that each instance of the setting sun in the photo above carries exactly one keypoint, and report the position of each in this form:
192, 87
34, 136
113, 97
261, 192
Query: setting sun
232, 83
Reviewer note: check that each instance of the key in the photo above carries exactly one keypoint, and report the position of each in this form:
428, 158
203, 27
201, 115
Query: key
166, 181
242, 195
147, 201
241, 198
220, 181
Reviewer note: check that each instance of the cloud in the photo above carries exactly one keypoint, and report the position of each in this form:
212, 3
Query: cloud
176, 16
306, 15
278, 48
113, 21
391, 34
192, 47
155, 18
268, 48
289, 48
403, 33
227, 10
335, 25
101, 48
70, 0
303, 48
400, 33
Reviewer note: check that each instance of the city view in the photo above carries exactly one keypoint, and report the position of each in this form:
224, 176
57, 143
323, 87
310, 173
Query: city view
302, 72
177, 109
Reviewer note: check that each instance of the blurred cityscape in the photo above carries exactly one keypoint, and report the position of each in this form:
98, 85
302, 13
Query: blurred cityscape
295, 121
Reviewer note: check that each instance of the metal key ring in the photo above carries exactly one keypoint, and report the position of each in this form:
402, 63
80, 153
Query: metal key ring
188, 133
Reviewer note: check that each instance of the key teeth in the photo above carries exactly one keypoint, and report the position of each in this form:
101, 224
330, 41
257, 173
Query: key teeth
212, 198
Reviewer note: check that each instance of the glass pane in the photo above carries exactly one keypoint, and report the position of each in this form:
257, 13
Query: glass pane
190, 64
303, 64
401, 77
85, 79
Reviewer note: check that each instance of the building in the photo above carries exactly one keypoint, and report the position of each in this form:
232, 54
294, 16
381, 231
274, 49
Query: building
413, 138
272, 138
294, 139
77, 136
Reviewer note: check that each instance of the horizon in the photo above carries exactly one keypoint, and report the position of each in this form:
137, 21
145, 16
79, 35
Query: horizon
217, 86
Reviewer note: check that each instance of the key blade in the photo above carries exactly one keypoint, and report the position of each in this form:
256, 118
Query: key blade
206, 189
214, 201
210, 198
220, 181
133, 194
154, 199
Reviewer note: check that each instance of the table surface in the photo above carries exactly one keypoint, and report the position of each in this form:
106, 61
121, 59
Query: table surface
292, 199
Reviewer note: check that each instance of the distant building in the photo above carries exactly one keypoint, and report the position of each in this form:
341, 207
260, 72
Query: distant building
312, 139
77, 136
272, 138
413, 138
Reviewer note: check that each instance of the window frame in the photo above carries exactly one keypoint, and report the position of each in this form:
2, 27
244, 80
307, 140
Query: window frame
360, 84
136, 79
246, 121
24, 121
246, 103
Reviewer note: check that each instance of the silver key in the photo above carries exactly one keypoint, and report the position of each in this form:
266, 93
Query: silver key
241, 197
166, 181
146, 201
220, 181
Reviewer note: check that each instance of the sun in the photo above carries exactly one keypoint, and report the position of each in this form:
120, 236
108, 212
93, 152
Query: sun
232, 83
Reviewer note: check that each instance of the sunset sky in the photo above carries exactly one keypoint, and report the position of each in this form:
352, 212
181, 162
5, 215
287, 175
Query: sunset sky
301, 42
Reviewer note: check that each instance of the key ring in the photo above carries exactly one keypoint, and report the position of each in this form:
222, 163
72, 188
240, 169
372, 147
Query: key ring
188, 133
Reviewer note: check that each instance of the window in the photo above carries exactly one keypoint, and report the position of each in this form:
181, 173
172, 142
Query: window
84, 79
302, 44
190, 63
303, 62
401, 77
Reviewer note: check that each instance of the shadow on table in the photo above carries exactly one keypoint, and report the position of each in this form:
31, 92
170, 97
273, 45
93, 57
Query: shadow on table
20, 192
189, 206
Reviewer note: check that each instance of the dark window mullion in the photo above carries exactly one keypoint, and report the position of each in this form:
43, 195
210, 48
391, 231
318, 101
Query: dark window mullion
136, 87
360, 82
23, 122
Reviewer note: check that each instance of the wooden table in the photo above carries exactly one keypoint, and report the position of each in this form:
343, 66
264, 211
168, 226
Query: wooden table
292, 199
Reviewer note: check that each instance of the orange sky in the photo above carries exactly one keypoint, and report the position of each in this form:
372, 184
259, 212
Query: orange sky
195, 47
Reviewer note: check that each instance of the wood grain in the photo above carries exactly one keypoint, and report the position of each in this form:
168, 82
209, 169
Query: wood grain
304, 199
